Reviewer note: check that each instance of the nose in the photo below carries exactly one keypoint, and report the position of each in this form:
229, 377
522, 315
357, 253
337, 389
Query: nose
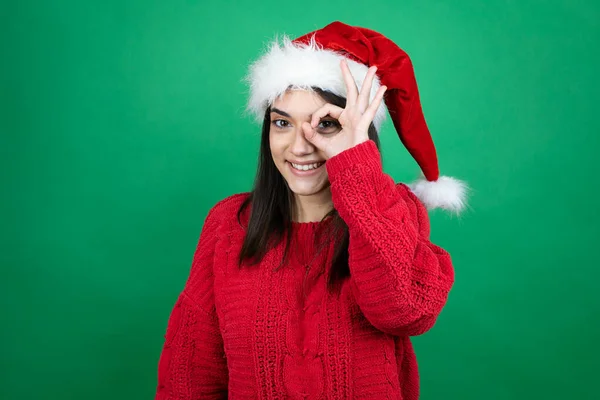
300, 145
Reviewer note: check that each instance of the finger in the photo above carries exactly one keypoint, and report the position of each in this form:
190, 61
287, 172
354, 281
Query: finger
365, 90
312, 136
328, 109
351, 88
370, 112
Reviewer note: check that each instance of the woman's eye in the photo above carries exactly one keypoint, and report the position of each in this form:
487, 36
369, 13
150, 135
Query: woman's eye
280, 123
329, 125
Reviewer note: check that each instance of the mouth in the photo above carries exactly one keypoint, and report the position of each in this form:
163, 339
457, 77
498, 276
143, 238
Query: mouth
305, 169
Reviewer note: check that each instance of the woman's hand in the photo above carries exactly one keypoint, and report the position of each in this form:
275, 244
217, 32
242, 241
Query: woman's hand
354, 119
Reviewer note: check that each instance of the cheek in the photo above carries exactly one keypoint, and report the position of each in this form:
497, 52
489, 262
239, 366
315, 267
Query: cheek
277, 147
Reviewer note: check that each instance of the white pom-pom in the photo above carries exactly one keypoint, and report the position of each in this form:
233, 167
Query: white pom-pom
447, 193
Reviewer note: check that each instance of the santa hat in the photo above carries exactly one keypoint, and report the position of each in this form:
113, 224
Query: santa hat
314, 60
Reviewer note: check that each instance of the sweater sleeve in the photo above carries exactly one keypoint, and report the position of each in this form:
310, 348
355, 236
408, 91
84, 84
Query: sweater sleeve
192, 364
399, 278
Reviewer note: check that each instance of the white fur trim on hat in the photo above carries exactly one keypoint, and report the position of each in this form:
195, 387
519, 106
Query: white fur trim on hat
290, 65
447, 193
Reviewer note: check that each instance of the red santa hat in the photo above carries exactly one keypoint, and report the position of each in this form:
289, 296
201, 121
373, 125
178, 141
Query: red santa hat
313, 60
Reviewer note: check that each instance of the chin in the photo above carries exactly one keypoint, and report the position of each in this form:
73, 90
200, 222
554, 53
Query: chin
307, 190
304, 186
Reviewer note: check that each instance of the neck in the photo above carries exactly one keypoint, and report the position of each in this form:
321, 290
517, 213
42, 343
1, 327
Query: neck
312, 208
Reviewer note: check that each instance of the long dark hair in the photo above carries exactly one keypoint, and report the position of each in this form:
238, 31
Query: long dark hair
271, 205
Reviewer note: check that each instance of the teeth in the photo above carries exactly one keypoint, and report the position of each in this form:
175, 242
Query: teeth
306, 167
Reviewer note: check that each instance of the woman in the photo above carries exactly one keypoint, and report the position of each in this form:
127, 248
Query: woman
311, 285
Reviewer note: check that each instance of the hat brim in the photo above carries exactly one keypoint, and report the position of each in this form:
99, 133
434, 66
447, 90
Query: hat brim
290, 65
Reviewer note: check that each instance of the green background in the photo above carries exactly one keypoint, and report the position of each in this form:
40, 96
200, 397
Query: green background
122, 123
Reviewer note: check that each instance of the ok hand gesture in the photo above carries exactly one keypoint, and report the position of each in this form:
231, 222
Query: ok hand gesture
354, 119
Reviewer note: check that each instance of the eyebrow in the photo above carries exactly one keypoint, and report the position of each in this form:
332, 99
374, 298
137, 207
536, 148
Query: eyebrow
278, 111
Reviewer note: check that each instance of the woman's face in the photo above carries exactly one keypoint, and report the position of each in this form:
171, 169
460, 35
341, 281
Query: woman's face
299, 161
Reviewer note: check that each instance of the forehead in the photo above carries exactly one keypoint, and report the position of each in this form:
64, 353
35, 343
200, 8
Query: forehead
298, 102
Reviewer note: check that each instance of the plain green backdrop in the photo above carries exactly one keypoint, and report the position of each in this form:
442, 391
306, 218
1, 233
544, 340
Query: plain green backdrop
122, 123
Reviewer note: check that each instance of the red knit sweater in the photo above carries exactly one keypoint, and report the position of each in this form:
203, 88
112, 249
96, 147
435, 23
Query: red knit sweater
256, 333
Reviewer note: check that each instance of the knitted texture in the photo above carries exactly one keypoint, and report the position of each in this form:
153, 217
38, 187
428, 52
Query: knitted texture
259, 333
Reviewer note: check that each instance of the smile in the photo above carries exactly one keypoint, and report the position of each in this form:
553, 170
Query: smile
306, 167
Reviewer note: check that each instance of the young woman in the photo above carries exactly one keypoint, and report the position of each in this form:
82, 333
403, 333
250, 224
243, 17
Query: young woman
310, 286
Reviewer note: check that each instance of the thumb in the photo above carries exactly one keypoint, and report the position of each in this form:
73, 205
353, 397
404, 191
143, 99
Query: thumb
313, 136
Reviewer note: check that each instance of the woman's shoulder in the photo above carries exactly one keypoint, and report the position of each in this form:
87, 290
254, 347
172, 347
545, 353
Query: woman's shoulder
227, 208
233, 201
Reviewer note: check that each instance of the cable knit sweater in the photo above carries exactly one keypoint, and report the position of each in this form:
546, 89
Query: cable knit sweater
259, 333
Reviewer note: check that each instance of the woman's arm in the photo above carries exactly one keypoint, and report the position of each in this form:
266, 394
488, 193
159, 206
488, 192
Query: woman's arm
192, 363
399, 278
